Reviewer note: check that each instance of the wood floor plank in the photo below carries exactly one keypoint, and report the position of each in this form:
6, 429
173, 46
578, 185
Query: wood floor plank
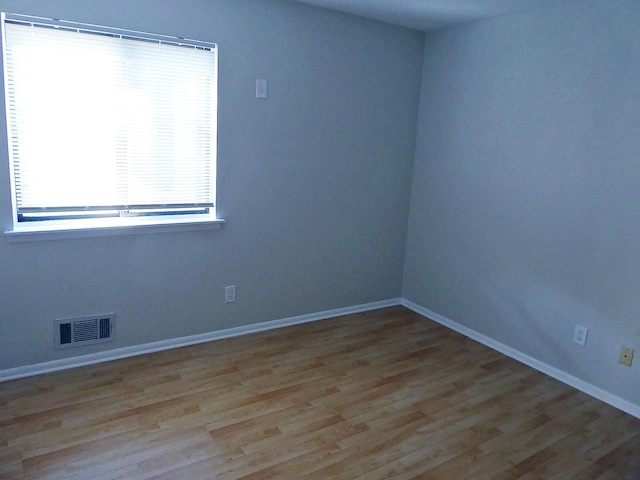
381, 394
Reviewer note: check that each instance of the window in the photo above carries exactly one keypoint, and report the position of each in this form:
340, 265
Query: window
108, 127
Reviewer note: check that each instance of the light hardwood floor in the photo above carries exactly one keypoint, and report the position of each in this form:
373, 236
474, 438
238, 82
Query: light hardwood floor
383, 394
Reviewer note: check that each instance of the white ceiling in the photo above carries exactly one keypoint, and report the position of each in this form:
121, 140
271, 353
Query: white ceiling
429, 14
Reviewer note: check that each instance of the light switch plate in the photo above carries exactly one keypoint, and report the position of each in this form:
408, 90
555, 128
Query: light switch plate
261, 88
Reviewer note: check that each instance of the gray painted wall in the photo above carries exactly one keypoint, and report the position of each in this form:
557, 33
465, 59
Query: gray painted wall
313, 182
525, 207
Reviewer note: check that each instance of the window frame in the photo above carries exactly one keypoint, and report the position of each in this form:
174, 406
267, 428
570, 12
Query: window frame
124, 224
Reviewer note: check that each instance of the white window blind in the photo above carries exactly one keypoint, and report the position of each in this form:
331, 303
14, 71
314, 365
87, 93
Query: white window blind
107, 122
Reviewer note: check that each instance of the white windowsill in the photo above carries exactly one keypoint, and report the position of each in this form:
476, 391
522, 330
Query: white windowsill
108, 227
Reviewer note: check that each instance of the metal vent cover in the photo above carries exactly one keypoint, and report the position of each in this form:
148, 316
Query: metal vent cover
74, 332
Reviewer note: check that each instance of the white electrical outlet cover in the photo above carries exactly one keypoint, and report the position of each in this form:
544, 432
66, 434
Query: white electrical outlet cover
230, 294
580, 335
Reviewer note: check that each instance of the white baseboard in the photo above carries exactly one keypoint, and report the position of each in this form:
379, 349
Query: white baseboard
564, 377
125, 352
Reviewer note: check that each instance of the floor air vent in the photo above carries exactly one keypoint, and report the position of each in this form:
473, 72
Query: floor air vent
74, 332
